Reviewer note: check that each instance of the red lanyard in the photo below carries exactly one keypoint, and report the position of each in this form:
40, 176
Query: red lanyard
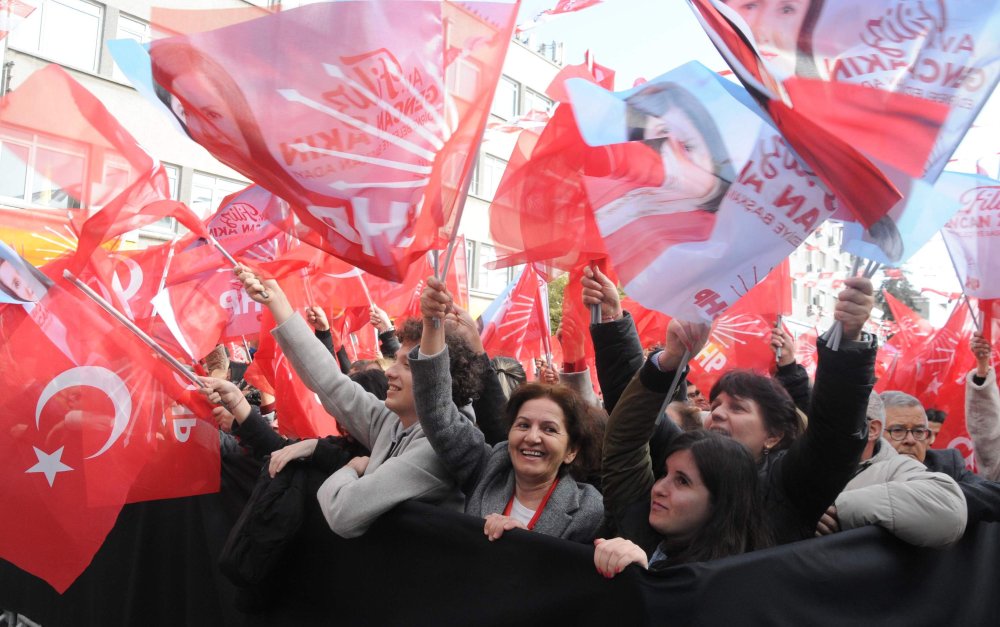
541, 506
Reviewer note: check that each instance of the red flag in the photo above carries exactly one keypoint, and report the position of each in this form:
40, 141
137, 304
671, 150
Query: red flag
805, 351
541, 212
368, 136
299, 412
913, 330
651, 324
741, 337
507, 323
81, 413
568, 6
99, 167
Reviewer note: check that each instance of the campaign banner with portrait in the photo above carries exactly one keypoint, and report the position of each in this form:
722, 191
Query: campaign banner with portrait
696, 195
972, 236
832, 59
364, 116
20, 282
942, 51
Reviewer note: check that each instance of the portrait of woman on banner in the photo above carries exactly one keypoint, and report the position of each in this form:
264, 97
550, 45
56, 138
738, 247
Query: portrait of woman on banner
20, 282
678, 176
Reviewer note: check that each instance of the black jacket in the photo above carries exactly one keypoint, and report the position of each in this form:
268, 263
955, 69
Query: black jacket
617, 356
796, 485
982, 496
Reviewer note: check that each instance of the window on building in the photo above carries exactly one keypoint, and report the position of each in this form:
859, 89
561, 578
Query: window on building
491, 281
34, 170
534, 101
470, 259
130, 28
462, 79
207, 192
67, 31
169, 225
488, 173
505, 100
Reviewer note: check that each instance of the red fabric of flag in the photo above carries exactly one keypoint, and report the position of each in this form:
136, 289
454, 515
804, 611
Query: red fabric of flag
541, 212
82, 411
363, 122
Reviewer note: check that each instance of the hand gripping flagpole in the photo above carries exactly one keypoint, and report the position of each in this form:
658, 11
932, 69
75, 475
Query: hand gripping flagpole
230, 259
442, 271
178, 367
676, 382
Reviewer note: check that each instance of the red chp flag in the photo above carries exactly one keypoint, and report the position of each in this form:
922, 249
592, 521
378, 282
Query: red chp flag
913, 329
511, 325
741, 337
366, 122
99, 170
299, 412
81, 416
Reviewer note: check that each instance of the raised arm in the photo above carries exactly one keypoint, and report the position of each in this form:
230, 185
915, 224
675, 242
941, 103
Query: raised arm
982, 409
821, 462
617, 350
627, 473
358, 411
791, 375
457, 441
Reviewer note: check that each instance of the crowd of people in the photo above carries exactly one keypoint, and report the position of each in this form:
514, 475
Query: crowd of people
652, 471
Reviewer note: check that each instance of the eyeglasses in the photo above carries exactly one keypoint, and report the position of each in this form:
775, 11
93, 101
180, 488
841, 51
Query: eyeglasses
899, 433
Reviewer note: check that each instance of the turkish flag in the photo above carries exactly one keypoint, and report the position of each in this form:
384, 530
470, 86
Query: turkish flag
80, 413
366, 123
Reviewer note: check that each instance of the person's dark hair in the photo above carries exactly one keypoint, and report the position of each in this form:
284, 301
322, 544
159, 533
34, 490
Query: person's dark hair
654, 100
373, 381
776, 405
586, 468
510, 373
170, 59
936, 415
575, 415
736, 524
465, 366
410, 331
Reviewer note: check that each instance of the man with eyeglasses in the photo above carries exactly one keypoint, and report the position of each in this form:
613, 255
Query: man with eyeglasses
897, 492
907, 431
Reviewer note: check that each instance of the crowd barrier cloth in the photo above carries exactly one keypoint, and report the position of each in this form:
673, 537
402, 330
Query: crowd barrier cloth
421, 565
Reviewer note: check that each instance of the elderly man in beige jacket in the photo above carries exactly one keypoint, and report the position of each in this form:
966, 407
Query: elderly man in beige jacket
898, 493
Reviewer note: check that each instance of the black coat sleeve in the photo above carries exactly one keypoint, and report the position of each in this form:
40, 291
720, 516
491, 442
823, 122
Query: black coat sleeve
795, 380
257, 435
820, 463
341, 354
489, 407
388, 343
618, 356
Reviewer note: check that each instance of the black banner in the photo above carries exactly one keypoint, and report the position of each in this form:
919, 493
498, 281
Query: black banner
421, 565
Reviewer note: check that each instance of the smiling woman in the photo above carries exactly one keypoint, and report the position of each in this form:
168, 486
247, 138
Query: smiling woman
523, 482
